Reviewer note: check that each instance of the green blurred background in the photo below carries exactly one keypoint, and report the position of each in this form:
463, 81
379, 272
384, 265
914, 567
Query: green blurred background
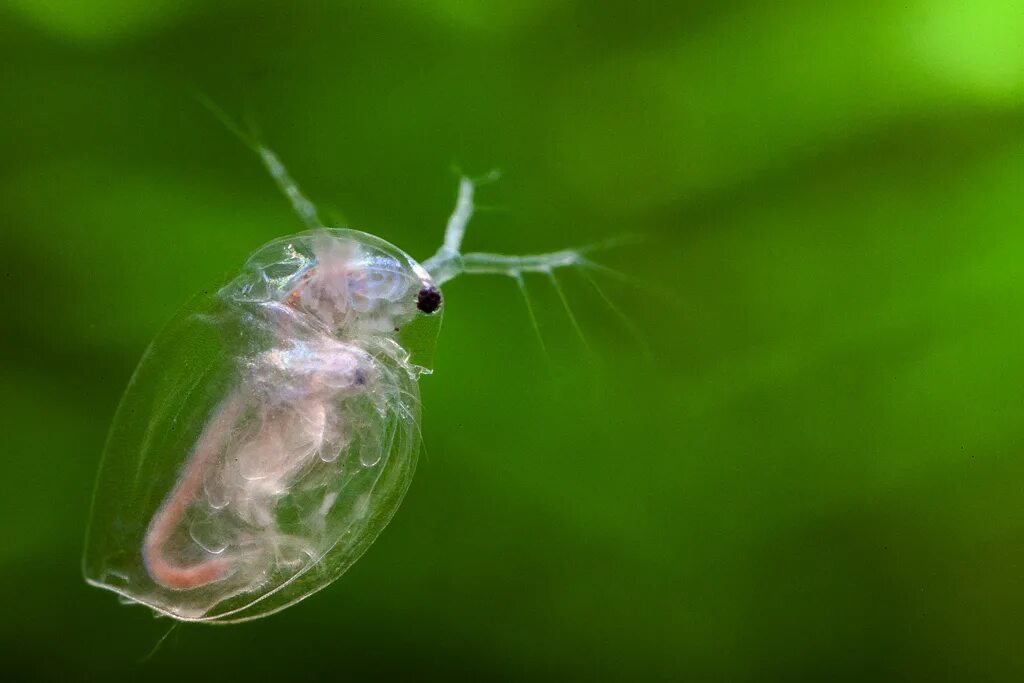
814, 474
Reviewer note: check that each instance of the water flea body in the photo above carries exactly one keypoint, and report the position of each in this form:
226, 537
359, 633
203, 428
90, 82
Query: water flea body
272, 428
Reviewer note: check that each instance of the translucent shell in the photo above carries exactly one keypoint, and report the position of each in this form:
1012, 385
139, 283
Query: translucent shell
269, 433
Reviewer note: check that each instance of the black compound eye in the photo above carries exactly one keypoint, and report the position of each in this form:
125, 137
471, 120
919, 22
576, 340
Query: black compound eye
429, 299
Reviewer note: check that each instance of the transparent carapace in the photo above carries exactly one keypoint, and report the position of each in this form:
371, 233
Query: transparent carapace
272, 428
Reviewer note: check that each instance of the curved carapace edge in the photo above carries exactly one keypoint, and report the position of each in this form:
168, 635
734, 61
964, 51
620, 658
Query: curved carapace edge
269, 433
271, 429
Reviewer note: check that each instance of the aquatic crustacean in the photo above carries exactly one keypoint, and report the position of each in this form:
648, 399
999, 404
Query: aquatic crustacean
271, 429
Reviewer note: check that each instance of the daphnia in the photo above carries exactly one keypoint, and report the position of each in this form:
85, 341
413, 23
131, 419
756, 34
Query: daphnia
271, 429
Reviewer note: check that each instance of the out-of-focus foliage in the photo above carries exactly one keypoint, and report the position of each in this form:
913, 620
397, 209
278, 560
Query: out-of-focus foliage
816, 474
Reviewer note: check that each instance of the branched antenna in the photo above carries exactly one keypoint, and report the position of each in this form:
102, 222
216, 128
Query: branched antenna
301, 205
449, 262
456, 228
251, 138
